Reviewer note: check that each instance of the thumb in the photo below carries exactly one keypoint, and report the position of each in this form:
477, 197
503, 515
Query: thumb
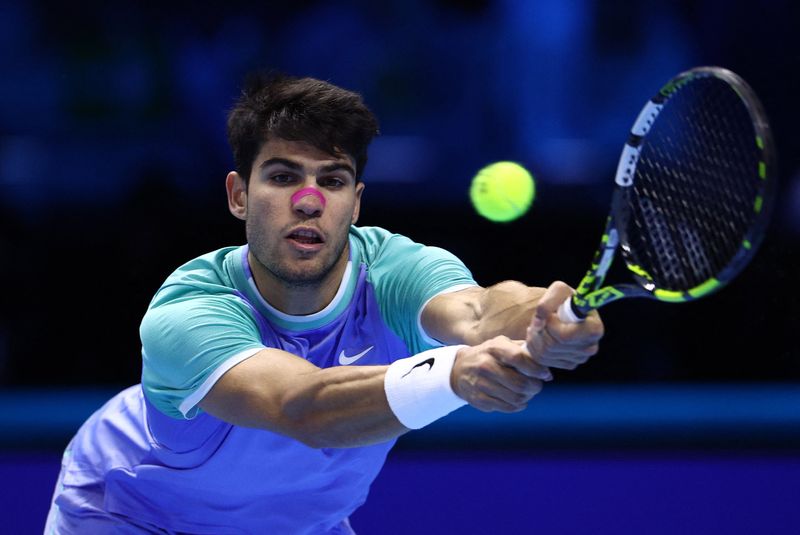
548, 304
539, 318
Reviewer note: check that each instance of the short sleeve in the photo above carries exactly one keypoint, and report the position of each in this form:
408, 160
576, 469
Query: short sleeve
405, 276
189, 343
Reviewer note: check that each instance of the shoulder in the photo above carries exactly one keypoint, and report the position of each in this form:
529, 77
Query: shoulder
211, 267
209, 273
388, 254
405, 275
368, 242
203, 292
373, 245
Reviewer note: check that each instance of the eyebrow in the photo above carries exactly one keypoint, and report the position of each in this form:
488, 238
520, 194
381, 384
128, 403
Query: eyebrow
330, 168
281, 161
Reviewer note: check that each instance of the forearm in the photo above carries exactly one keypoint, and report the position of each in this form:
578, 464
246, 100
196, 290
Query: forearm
475, 315
340, 407
503, 309
343, 406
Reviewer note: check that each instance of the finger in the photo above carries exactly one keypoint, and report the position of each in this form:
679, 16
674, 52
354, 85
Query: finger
484, 399
588, 349
548, 304
563, 351
589, 331
486, 373
505, 383
487, 403
564, 337
516, 356
516, 387
565, 363
562, 356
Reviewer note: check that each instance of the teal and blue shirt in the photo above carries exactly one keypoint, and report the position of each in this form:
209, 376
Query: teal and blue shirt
164, 462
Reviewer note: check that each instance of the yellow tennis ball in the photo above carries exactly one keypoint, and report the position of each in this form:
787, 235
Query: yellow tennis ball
502, 191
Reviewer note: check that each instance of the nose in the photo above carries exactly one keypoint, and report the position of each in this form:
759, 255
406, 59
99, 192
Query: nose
309, 201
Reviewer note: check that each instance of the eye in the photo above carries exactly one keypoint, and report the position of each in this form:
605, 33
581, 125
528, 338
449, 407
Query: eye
282, 178
331, 182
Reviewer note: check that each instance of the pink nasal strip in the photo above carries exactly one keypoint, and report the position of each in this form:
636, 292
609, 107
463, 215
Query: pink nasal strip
308, 191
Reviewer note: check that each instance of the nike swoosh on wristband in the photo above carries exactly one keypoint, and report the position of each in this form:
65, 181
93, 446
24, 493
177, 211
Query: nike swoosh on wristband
344, 360
429, 362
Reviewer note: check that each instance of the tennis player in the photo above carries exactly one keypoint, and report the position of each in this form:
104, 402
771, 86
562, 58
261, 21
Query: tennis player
277, 375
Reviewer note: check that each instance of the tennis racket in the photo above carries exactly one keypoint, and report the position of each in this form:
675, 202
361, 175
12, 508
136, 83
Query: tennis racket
693, 194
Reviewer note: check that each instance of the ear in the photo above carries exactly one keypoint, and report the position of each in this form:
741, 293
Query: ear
237, 195
357, 208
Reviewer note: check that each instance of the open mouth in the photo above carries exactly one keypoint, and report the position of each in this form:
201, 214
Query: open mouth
305, 236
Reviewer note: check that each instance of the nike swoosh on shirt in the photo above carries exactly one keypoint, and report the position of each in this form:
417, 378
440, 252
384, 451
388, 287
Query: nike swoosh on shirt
344, 360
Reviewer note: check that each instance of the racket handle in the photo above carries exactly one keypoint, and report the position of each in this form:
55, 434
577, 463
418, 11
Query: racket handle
567, 313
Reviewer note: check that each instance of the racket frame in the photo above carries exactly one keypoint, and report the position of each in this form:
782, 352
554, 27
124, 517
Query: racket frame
590, 293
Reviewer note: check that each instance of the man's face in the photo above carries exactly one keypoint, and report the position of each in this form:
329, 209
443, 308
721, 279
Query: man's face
299, 240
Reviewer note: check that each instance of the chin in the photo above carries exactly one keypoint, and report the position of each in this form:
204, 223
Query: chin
305, 276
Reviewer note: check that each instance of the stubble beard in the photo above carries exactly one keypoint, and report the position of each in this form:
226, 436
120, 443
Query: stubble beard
299, 273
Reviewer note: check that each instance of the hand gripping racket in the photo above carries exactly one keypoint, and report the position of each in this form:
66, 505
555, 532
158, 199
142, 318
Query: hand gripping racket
692, 197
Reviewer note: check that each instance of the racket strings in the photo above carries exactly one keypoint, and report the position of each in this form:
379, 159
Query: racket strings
696, 181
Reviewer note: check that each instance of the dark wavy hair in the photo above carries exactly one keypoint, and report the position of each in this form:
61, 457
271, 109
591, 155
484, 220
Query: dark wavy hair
321, 114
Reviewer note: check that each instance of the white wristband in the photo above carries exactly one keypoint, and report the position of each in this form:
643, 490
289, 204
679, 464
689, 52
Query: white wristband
418, 388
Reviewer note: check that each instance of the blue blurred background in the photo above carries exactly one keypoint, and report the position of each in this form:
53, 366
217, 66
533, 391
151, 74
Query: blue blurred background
112, 162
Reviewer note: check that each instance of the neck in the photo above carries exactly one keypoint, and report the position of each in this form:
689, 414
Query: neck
298, 299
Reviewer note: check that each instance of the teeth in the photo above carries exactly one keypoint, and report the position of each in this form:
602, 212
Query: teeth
306, 234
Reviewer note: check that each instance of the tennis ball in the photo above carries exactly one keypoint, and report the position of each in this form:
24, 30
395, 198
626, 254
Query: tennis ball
502, 191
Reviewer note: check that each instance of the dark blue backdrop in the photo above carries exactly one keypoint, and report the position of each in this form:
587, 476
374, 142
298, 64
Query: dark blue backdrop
112, 160
113, 155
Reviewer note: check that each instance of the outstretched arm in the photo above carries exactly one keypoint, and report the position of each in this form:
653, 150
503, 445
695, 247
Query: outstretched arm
520, 312
348, 406
332, 407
